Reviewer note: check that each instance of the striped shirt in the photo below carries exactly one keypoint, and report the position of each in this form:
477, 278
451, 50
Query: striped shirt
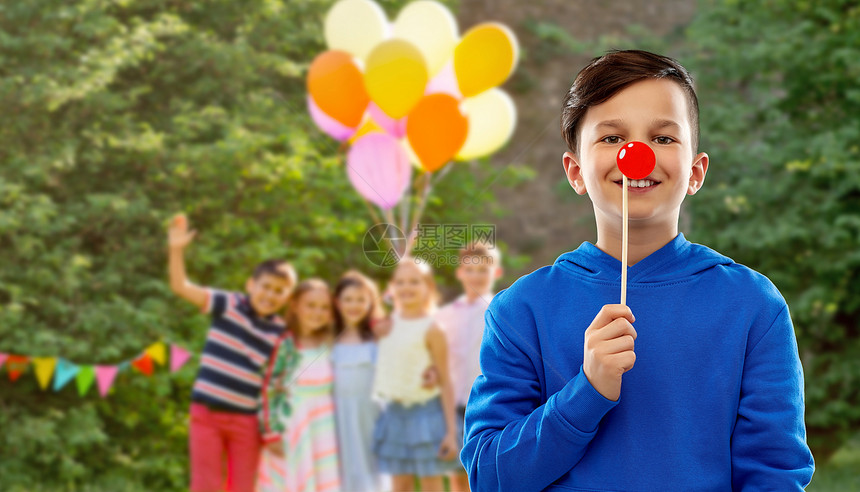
238, 344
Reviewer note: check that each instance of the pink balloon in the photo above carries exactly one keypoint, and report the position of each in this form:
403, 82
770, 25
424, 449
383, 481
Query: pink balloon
397, 128
379, 169
329, 125
445, 82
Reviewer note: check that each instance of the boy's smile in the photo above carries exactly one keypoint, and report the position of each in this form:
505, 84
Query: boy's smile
654, 111
268, 293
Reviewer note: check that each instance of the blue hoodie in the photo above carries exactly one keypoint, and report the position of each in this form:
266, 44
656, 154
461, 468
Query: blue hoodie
714, 401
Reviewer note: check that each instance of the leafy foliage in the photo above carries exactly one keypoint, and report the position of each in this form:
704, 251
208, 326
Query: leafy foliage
116, 115
779, 98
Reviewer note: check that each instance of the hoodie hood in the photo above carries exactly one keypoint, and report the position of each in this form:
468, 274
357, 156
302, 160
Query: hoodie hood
679, 259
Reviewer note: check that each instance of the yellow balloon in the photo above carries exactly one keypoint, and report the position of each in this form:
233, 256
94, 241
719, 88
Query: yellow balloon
355, 26
492, 116
485, 57
395, 77
369, 126
430, 26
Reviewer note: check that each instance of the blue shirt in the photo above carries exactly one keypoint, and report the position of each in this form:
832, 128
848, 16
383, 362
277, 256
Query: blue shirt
714, 401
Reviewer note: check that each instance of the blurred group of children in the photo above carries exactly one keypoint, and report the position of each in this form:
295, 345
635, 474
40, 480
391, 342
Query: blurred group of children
303, 388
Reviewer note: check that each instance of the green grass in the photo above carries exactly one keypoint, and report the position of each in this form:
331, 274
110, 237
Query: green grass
841, 473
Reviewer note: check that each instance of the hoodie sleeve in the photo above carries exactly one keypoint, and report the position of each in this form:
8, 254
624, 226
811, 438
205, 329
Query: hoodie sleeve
515, 441
769, 450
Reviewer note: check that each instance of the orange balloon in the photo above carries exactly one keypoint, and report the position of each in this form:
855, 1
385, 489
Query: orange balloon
436, 129
336, 85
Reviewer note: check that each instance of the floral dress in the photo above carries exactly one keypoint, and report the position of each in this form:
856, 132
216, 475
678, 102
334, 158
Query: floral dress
305, 417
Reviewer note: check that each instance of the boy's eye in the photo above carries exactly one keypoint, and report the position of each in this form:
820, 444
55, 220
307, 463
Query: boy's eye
664, 140
612, 139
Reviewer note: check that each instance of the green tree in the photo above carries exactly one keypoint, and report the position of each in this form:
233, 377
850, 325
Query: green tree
778, 88
116, 115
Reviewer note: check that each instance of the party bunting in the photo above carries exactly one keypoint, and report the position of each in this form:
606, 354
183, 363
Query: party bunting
85, 379
16, 365
44, 369
105, 376
143, 364
65, 372
178, 357
157, 352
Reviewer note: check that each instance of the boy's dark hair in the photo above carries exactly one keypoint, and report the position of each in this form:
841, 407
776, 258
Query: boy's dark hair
607, 75
277, 268
480, 249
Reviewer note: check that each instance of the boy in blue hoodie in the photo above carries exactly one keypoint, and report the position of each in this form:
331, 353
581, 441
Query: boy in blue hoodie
704, 394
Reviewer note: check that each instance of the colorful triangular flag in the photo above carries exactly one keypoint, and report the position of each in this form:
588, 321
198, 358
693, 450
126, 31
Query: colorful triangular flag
44, 369
65, 372
158, 352
105, 376
178, 357
85, 379
143, 364
16, 365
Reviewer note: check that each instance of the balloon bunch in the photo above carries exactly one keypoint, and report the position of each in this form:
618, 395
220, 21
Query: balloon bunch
409, 92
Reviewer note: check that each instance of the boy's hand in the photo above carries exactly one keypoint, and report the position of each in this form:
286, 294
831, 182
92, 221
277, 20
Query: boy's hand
276, 448
608, 351
178, 236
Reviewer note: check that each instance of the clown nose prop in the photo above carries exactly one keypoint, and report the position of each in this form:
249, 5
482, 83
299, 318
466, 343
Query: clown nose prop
635, 160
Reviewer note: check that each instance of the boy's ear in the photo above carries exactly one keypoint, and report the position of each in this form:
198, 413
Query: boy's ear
573, 171
499, 272
458, 273
697, 173
249, 285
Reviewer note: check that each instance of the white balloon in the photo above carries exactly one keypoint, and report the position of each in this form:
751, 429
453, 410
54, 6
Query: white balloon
355, 26
432, 28
492, 117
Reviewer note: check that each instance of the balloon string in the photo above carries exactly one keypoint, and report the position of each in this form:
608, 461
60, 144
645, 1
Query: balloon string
405, 205
428, 183
373, 215
389, 219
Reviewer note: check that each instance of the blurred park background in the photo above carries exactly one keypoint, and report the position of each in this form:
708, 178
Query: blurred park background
116, 114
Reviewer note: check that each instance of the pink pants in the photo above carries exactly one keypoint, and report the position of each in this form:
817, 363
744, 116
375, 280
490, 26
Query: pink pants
213, 434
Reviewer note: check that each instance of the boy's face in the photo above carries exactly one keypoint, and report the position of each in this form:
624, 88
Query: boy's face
268, 293
477, 274
652, 111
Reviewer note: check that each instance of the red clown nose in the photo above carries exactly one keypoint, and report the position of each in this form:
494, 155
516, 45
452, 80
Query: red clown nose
636, 160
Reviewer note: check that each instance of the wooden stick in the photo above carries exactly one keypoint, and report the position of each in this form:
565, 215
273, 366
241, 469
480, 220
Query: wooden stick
624, 244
